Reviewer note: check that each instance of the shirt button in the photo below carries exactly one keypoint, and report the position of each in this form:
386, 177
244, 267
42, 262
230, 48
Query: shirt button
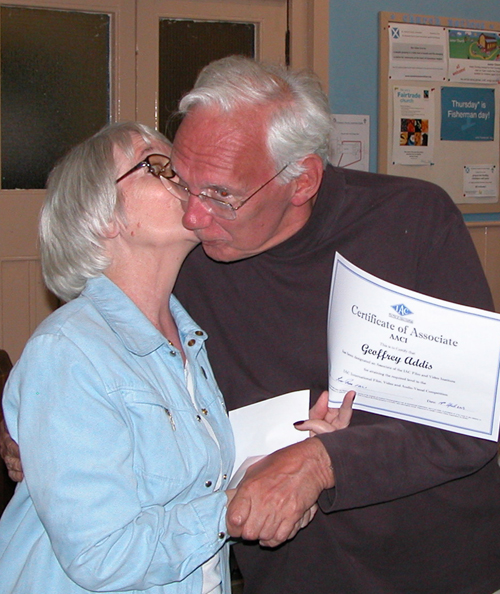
172, 353
204, 411
222, 535
224, 476
198, 418
199, 333
191, 342
208, 484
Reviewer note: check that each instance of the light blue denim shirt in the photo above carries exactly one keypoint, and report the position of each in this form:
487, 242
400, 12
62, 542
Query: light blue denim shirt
120, 468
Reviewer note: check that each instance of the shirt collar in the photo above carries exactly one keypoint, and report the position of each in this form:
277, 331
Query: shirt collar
128, 322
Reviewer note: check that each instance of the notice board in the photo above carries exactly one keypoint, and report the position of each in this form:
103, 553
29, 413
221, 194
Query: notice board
439, 105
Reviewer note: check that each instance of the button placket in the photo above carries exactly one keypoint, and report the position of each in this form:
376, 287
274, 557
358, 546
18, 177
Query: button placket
192, 342
172, 352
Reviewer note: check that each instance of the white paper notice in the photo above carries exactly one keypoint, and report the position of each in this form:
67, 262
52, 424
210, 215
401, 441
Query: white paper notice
417, 52
413, 357
264, 427
350, 141
480, 183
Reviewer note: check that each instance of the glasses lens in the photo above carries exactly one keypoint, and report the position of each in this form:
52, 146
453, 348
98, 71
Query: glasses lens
218, 208
180, 192
160, 166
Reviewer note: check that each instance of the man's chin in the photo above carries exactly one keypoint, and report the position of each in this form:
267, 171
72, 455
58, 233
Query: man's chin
221, 251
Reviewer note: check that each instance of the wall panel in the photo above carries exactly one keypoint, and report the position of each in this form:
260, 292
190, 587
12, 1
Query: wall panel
486, 238
24, 302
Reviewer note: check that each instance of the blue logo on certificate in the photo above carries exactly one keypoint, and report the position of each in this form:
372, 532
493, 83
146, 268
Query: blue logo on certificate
401, 310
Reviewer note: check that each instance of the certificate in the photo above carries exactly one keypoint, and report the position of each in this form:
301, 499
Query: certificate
412, 357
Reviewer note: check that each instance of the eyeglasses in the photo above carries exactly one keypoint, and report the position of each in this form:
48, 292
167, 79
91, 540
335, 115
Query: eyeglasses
216, 206
158, 165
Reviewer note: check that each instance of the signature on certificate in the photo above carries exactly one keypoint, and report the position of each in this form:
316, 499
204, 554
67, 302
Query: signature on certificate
451, 405
349, 381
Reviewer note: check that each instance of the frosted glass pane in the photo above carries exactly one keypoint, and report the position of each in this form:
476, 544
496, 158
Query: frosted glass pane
54, 88
185, 47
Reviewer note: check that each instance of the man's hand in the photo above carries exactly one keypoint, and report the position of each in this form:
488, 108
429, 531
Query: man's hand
277, 495
323, 419
9, 450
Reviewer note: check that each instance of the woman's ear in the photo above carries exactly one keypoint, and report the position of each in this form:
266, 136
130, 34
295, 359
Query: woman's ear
308, 182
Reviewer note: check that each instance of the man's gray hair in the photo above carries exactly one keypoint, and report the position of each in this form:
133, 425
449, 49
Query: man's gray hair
300, 121
82, 199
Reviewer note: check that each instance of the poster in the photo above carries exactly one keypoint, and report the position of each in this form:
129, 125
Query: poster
417, 52
413, 126
474, 56
467, 113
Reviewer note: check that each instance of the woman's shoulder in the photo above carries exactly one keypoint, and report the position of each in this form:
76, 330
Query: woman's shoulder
71, 318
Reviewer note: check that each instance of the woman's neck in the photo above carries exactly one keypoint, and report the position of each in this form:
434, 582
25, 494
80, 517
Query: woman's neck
148, 280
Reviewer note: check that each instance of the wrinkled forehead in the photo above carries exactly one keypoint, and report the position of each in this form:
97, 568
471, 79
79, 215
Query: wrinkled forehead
210, 136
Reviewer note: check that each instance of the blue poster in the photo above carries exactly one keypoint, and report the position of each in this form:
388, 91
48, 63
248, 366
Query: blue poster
467, 113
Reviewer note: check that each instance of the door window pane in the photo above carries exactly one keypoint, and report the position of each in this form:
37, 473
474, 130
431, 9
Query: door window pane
185, 47
54, 88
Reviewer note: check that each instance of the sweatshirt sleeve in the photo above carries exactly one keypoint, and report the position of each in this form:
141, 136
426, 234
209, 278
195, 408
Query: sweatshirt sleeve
378, 459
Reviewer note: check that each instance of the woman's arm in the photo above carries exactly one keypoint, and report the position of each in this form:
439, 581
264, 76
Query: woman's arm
77, 444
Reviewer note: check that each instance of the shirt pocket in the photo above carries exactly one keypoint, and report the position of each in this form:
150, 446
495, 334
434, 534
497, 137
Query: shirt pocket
161, 458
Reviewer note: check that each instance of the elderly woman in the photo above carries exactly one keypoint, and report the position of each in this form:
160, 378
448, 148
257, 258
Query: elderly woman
125, 440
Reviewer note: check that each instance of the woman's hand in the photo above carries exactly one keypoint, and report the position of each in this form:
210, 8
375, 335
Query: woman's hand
323, 419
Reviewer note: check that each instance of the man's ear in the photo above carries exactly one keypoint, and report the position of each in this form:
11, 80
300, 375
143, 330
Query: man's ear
308, 182
111, 230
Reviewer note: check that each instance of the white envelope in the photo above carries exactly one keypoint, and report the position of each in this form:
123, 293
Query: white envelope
264, 427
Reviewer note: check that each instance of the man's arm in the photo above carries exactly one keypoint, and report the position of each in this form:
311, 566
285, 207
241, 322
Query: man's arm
8, 448
278, 491
276, 483
9, 451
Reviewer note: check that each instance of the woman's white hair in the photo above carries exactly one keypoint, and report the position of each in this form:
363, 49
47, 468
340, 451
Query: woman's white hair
82, 200
300, 120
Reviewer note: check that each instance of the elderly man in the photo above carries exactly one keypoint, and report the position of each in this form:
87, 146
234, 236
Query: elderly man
404, 508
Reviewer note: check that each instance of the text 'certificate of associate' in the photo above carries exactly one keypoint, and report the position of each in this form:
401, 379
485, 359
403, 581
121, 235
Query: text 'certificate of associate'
412, 357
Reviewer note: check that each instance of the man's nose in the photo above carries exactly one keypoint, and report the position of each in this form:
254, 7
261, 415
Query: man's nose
196, 216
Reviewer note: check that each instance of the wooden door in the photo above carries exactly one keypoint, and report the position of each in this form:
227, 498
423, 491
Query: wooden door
133, 84
24, 301
286, 31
